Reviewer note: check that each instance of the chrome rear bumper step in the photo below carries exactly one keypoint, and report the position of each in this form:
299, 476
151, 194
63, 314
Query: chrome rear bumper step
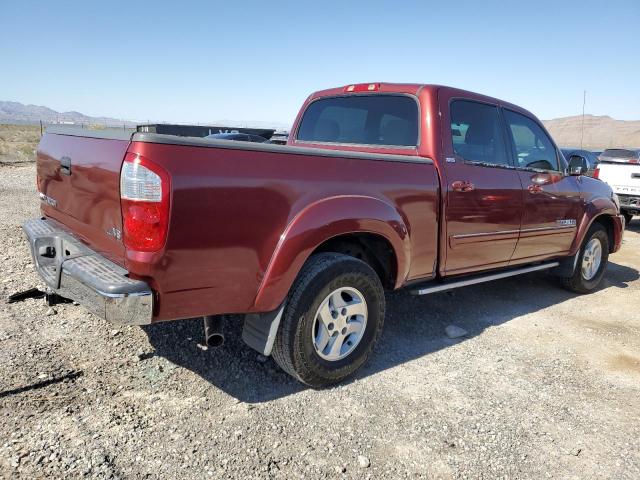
74, 271
463, 282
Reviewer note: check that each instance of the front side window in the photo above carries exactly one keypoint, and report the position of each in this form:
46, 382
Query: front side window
390, 120
534, 148
476, 133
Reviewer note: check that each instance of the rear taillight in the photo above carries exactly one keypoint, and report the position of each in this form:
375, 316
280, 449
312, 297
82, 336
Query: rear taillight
596, 173
144, 197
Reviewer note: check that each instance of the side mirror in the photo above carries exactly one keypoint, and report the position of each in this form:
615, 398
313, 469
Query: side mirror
578, 165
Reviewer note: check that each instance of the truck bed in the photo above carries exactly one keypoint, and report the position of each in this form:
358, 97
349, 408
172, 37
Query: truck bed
231, 205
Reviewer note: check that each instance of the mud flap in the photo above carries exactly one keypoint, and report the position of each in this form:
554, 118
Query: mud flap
567, 266
259, 330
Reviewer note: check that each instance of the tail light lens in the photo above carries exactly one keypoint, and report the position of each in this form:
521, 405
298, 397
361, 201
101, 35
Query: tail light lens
144, 197
362, 87
596, 173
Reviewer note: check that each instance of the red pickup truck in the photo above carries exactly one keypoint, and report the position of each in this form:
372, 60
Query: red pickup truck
381, 186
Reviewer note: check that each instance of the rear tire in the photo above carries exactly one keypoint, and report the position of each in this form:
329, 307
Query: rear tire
358, 306
627, 218
592, 261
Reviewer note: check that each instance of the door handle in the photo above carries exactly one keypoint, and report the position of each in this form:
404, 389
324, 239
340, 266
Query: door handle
462, 186
535, 188
65, 166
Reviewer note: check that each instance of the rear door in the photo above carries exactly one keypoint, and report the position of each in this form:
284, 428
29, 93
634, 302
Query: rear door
483, 205
553, 205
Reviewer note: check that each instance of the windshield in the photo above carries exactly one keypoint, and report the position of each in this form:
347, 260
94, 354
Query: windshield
362, 119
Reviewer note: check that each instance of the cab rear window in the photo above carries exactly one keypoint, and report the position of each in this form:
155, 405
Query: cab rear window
390, 120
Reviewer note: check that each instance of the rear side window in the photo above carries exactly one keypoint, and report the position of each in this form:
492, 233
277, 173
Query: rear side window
619, 153
477, 133
534, 148
363, 119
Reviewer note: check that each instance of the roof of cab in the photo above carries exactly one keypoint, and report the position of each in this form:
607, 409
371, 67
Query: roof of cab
410, 88
414, 89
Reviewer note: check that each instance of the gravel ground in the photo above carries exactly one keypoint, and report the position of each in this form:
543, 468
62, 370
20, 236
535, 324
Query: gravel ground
544, 384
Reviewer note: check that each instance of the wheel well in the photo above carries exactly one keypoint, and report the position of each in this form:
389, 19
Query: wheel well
373, 249
607, 222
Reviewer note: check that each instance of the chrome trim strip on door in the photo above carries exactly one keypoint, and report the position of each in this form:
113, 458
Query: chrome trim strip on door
462, 239
507, 234
484, 234
558, 229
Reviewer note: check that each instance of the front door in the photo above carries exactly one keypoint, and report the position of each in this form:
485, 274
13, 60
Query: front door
483, 206
552, 201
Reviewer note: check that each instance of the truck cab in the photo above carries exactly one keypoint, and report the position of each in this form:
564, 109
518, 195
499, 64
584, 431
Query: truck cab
508, 197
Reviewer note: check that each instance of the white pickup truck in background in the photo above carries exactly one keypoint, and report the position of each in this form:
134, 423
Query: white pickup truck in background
620, 168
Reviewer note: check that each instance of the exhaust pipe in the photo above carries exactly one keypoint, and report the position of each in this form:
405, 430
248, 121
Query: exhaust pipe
214, 330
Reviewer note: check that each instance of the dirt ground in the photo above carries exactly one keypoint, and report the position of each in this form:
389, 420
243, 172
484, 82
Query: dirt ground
545, 385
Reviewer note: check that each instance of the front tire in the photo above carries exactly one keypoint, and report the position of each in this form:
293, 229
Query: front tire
592, 261
332, 320
628, 216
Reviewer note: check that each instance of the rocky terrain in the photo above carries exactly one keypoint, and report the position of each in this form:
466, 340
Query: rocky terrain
600, 132
543, 384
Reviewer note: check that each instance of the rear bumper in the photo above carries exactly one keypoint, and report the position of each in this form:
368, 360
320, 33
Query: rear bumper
630, 203
72, 270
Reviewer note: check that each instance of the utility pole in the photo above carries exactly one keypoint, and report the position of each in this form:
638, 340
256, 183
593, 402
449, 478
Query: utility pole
584, 100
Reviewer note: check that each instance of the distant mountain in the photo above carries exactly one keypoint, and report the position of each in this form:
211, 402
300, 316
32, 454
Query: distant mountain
600, 132
19, 113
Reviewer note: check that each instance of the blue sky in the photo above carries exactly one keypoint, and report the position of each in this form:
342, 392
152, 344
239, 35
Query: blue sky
194, 61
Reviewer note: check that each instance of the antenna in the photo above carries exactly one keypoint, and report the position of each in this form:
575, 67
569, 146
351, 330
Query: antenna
584, 100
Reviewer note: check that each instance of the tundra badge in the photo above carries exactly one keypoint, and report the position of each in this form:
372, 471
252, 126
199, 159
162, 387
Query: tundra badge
566, 222
115, 233
48, 200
